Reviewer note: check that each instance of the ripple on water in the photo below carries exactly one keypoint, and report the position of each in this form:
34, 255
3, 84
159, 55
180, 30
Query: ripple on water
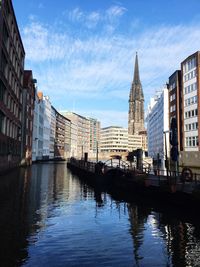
54, 219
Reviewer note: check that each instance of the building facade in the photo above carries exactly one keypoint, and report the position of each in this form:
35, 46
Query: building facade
175, 104
94, 137
80, 134
67, 144
158, 126
137, 141
74, 139
47, 127
190, 68
134, 142
52, 133
27, 116
11, 83
136, 103
113, 140
38, 126
62, 136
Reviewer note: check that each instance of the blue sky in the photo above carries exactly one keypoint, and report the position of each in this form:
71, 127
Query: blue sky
82, 52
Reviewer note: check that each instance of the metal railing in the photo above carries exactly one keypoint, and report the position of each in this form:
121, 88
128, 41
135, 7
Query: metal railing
151, 172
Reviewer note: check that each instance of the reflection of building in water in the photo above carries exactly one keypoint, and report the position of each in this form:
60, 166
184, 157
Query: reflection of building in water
18, 203
183, 246
138, 217
181, 240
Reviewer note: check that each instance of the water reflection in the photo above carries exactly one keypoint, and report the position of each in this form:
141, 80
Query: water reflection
51, 215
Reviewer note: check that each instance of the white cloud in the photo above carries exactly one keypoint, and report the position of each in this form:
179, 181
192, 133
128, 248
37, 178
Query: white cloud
76, 15
43, 43
100, 67
92, 19
89, 20
116, 11
107, 117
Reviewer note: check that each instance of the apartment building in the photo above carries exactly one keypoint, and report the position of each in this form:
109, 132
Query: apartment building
189, 154
62, 136
80, 133
52, 133
38, 126
27, 116
190, 68
47, 127
67, 144
11, 83
74, 139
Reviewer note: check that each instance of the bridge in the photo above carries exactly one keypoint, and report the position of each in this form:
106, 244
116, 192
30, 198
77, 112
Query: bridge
112, 167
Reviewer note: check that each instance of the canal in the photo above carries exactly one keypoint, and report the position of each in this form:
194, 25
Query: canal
50, 217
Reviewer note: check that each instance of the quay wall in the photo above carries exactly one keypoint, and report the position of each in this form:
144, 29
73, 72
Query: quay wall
190, 159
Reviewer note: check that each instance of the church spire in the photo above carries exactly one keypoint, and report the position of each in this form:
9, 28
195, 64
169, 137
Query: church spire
136, 103
136, 84
136, 79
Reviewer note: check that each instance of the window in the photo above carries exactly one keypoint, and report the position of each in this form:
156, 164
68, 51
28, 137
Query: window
2, 118
191, 126
191, 113
190, 88
173, 108
190, 101
191, 141
172, 97
4, 64
190, 64
5, 36
2, 90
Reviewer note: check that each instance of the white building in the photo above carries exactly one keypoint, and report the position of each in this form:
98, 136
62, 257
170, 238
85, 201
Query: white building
190, 85
38, 125
137, 141
113, 139
47, 127
158, 126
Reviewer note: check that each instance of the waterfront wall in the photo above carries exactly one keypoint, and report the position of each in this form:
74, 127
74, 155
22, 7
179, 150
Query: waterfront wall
190, 159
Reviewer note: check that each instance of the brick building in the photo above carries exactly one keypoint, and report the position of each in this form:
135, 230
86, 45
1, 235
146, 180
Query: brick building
11, 83
27, 116
175, 103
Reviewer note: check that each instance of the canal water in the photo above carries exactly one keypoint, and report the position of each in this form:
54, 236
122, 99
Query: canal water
50, 217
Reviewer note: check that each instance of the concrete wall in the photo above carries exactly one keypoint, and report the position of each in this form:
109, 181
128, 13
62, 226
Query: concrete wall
190, 159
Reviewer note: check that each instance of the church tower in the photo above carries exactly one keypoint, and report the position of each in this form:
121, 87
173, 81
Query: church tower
136, 104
